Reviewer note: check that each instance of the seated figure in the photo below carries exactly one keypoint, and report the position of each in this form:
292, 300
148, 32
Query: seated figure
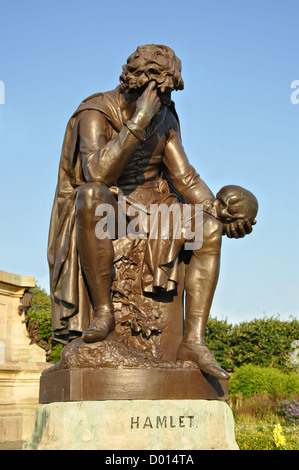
127, 141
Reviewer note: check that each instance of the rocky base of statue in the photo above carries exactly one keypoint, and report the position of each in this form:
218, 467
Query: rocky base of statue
134, 425
117, 350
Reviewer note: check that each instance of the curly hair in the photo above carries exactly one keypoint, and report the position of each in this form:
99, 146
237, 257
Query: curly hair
152, 62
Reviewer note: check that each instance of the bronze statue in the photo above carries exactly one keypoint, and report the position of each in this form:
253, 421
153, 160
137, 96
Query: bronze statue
127, 142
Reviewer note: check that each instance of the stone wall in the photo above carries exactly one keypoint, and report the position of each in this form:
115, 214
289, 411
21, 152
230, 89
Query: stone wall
21, 362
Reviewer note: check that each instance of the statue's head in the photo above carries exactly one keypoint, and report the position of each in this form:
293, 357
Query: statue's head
149, 63
233, 202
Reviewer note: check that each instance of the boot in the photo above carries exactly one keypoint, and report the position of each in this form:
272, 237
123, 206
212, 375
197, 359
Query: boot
100, 327
200, 283
199, 353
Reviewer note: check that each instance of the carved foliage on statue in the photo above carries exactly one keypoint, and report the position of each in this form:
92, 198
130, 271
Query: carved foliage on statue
138, 317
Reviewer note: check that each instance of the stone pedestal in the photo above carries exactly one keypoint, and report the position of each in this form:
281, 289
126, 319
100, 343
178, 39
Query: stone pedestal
21, 363
134, 425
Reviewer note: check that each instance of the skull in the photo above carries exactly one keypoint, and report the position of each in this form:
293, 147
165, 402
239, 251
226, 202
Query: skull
234, 202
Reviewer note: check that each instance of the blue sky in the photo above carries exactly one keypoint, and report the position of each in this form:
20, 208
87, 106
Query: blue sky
238, 123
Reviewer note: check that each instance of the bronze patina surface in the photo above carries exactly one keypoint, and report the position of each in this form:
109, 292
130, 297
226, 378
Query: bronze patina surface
123, 304
158, 383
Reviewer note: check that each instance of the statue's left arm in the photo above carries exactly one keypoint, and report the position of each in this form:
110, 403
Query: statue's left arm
189, 185
182, 174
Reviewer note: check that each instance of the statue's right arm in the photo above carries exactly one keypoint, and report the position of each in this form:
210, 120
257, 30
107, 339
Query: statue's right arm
103, 158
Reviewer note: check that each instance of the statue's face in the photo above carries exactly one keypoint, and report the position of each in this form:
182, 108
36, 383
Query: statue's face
230, 204
152, 63
165, 96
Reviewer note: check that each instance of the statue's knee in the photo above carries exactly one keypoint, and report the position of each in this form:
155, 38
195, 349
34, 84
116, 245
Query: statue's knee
91, 194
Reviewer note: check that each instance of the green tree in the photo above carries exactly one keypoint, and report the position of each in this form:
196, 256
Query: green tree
218, 339
40, 312
265, 342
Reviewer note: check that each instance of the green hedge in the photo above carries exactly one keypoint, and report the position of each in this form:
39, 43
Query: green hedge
265, 342
250, 380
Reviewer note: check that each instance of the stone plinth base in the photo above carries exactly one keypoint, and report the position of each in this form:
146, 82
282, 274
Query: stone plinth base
134, 425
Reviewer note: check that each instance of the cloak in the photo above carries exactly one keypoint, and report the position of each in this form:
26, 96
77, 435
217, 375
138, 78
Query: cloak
71, 305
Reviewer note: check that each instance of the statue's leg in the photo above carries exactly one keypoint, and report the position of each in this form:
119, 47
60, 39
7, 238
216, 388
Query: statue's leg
96, 256
200, 284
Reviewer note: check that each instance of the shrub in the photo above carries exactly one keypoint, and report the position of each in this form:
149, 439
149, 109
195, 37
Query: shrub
56, 351
40, 312
218, 339
265, 342
289, 409
250, 380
